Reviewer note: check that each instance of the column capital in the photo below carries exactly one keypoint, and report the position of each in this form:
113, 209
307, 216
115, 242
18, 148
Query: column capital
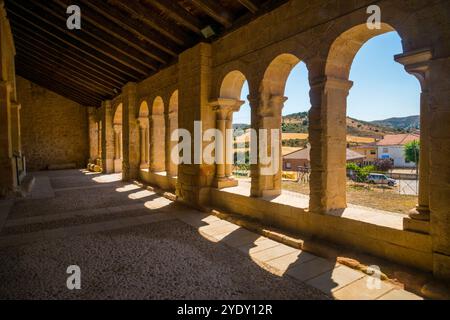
107, 104
224, 107
417, 63
271, 106
331, 83
142, 122
6, 85
15, 105
117, 128
129, 88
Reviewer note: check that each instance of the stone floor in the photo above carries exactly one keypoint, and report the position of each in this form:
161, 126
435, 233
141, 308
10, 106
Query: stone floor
131, 243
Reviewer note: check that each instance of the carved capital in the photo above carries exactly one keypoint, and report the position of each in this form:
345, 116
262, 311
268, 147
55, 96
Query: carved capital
225, 107
417, 63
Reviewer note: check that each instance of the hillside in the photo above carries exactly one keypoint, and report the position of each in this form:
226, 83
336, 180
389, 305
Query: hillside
296, 125
404, 123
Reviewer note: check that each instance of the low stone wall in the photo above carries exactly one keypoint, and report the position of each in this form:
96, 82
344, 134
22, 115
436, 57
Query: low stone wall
160, 179
404, 247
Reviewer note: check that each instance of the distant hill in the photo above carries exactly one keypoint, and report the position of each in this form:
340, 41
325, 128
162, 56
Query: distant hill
404, 123
297, 123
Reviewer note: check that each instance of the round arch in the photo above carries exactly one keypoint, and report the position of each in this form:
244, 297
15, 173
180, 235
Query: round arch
173, 102
117, 119
345, 47
277, 73
158, 106
232, 84
144, 110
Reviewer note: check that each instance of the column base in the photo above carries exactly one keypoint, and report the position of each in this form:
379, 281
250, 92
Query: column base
223, 183
420, 226
144, 166
420, 213
117, 165
270, 193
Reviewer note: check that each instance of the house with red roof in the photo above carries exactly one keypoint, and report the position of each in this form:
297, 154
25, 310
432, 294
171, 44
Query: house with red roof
392, 147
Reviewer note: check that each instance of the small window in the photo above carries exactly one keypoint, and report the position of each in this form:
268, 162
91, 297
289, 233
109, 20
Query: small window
373, 152
385, 150
288, 165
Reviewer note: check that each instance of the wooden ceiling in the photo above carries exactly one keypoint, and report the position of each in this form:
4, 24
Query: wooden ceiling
119, 41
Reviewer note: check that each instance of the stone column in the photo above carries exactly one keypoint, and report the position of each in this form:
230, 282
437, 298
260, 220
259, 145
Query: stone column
157, 144
16, 141
143, 132
266, 120
130, 133
194, 65
171, 126
117, 148
417, 64
108, 138
93, 135
328, 139
439, 187
224, 109
99, 141
8, 178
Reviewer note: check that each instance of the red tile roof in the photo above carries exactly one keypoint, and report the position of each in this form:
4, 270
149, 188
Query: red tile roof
398, 139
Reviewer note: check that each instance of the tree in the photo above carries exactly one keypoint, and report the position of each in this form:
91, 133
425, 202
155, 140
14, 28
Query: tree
412, 151
384, 165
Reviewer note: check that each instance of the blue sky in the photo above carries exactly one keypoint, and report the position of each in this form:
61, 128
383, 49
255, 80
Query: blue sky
382, 88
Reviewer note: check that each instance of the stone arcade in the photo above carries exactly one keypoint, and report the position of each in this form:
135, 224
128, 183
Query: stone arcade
181, 79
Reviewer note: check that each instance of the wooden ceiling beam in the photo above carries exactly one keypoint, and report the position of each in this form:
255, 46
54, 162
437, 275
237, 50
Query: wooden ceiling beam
42, 80
136, 27
215, 11
40, 15
92, 34
67, 79
250, 5
24, 35
50, 56
154, 21
178, 14
118, 32
82, 50
59, 68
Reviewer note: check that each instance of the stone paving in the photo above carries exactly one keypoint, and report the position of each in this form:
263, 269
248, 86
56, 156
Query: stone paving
133, 244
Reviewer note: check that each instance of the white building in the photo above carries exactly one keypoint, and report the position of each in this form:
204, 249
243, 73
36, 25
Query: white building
393, 147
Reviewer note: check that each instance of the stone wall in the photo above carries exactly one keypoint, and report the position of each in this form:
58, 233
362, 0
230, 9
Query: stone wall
54, 129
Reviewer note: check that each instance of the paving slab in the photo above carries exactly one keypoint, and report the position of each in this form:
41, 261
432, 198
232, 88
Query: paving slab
242, 237
399, 294
274, 252
311, 269
290, 261
335, 279
363, 289
253, 248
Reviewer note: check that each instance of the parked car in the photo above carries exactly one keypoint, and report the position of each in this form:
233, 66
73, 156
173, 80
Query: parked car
376, 178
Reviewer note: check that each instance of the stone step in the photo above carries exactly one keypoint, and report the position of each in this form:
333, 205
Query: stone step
77, 218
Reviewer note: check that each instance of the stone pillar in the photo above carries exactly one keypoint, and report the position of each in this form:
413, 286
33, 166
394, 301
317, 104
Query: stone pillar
117, 148
16, 141
328, 139
130, 134
194, 65
108, 141
417, 64
143, 140
93, 135
439, 187
171, 126
8, 178
266, 120
157, 144
224, 109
